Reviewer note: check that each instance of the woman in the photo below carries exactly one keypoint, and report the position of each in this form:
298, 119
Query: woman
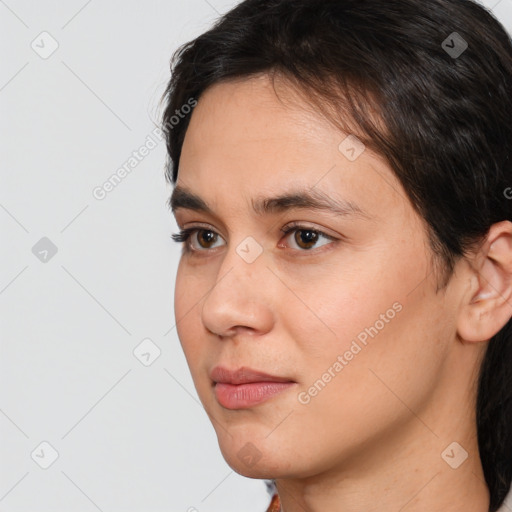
344, 293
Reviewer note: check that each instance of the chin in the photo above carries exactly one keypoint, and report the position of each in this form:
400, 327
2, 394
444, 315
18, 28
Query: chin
248, 458
258, 474
262, 470
273, 467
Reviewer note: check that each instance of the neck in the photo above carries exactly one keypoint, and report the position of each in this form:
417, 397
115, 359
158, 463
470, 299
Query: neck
397, 484
413, 469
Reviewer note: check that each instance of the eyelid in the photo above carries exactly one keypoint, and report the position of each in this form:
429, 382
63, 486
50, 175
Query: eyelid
307, 225
286, 228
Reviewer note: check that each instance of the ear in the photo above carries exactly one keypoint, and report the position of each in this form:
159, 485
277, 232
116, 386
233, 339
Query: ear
487, 306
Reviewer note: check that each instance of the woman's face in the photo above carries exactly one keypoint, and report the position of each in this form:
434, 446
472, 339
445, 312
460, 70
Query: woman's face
343, 306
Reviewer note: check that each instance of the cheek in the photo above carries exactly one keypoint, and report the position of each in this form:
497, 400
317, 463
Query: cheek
187, 297
374, 389
181, 297
377, 318
336, 304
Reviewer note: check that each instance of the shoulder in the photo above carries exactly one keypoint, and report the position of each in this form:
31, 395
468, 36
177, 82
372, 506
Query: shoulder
275, 504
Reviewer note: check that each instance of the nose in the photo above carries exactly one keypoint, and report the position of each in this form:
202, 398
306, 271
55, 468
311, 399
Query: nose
241, 298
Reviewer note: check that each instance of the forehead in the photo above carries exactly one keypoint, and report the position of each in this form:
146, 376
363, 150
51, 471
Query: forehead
254, 110
246, 138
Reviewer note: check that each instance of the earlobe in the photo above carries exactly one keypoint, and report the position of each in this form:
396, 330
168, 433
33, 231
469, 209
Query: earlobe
490, 299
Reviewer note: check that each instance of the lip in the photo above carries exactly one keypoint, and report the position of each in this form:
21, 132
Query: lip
243, 375
243, 388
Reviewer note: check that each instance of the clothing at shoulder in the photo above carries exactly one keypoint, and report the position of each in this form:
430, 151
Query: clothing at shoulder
275, 504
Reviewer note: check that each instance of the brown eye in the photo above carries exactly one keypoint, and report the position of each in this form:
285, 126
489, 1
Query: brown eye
306, 238
206, 237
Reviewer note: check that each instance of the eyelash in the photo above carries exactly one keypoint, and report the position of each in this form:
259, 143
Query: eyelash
184, 235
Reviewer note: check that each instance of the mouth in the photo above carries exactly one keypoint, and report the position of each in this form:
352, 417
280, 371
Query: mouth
244, 387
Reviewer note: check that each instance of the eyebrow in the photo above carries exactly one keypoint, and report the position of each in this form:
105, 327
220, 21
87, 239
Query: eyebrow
313, 199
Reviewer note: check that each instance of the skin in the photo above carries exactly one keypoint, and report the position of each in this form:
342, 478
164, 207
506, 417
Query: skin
372, 438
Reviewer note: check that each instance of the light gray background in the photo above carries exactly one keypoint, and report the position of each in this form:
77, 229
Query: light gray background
129, 436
